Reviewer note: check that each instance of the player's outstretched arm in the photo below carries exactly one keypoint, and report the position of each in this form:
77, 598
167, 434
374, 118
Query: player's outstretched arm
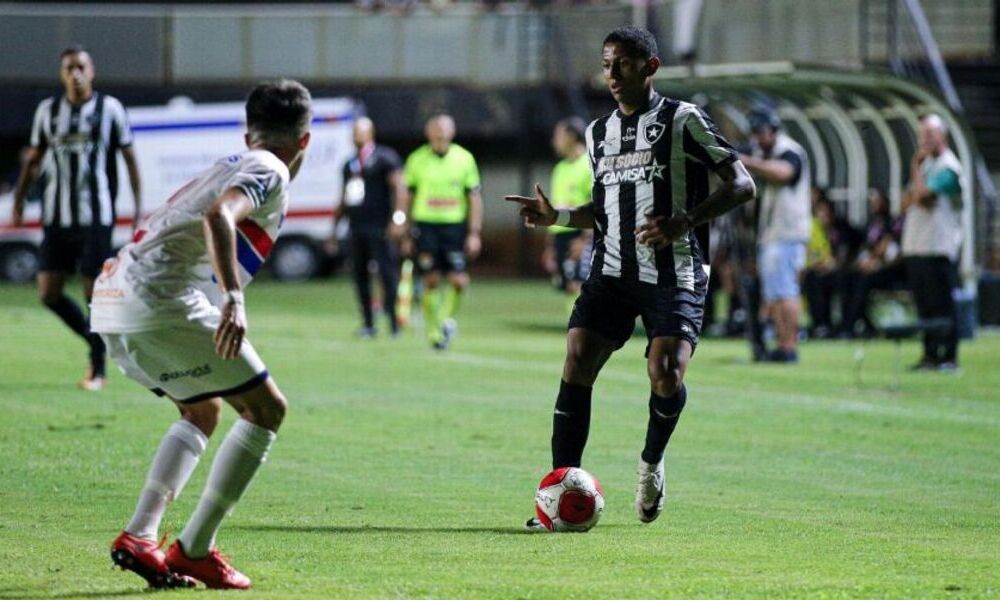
132, 164
28, 173
775, 170
737, 187
220, 234
538, 212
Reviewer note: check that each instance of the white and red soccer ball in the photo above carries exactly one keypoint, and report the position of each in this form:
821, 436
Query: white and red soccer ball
569, 499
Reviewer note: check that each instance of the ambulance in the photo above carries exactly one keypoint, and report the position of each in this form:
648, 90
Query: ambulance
176, 141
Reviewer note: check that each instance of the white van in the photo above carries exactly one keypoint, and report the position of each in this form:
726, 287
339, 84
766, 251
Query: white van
176, 141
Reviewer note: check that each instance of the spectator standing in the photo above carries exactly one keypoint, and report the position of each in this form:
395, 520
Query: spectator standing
783, 225
932, 239
373, 180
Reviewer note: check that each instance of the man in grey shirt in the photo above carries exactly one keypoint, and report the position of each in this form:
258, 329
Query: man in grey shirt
783, 226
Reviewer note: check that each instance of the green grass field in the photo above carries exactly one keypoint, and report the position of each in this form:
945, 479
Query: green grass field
401, 473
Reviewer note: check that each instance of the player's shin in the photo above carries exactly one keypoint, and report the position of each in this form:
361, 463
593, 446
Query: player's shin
570, 424
70, 313
431, 303
451, 303
240, 455
663, 416
175, 460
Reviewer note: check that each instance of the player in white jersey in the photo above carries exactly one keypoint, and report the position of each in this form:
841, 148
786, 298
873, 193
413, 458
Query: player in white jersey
170, 308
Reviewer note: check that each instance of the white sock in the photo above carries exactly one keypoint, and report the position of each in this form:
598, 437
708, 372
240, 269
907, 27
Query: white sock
241, 453
172, 465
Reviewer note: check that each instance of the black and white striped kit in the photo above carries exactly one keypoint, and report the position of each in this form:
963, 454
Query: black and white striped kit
655, 161
81, 159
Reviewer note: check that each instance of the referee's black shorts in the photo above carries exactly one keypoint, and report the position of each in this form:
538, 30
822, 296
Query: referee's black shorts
609, 306
440, 247
69, 249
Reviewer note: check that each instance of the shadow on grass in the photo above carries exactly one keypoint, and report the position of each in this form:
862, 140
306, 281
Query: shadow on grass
536, 326
369, 529
33, 594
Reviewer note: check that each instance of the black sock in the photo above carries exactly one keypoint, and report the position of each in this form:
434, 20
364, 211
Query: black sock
97, 354
69, 311
570, 424
663, 416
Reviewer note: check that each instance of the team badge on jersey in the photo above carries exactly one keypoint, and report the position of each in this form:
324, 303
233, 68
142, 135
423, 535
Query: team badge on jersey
652, 132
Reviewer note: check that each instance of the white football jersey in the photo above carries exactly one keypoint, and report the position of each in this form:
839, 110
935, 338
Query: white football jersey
166, 273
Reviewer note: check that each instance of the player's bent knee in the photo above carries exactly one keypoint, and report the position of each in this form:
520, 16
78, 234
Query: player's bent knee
581, 364
264, 406
664, 380
203, 415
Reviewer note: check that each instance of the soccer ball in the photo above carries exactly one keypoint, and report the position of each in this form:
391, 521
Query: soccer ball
569, 499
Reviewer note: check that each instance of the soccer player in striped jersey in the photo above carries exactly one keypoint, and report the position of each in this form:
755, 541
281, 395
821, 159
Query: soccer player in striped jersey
81, 134
171, 310
650, 209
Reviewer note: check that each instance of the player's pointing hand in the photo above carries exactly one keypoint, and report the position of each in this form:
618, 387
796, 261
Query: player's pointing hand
537, 211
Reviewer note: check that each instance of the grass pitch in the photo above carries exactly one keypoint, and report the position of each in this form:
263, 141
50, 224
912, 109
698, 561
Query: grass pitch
404, 473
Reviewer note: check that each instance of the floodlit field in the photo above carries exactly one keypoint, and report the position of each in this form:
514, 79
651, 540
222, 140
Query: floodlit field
405, 473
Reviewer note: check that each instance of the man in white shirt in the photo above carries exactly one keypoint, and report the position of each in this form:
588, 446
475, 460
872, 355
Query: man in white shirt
932, 238
170, 308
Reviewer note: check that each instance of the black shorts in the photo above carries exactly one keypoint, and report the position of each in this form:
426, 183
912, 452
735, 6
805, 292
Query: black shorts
66, 250
609, 306
569, 269
440, 247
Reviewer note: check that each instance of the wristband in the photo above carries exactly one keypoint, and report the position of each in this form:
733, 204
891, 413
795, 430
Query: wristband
562, 217
233, 296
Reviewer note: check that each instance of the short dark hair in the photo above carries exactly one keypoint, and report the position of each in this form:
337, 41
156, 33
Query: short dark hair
71, 50
575, 126
279, 111
761, 117
636, 41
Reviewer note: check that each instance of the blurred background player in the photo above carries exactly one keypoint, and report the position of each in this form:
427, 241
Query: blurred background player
446, 210
651, 160
783, 226
80, 134
565, 247
170, 307
373, 183
932, 238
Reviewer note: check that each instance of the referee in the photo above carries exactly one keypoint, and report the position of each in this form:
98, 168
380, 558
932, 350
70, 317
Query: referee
446, 208
78, 135
570, 188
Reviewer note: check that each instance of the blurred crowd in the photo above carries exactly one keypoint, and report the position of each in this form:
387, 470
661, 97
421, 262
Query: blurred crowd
844, 266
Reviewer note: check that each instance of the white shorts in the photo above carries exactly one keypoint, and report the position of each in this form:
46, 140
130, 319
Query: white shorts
180, 362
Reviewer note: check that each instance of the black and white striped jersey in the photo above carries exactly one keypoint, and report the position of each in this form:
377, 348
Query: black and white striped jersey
81, 144
654, 161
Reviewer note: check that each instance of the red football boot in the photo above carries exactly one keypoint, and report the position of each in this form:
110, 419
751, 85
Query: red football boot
214, 570
144, 558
